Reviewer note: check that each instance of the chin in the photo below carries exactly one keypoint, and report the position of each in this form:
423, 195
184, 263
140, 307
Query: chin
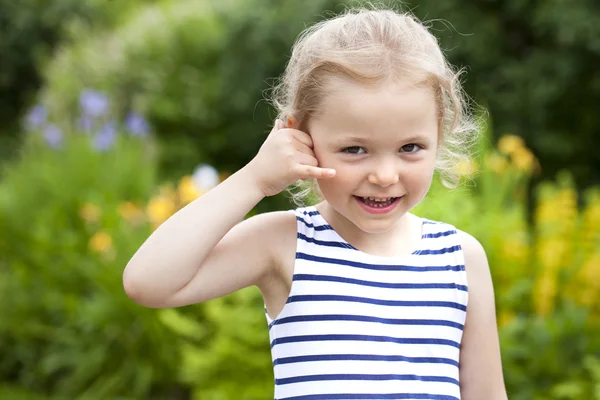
377, 223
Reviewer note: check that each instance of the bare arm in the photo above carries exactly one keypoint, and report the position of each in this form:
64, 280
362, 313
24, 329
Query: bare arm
172, 255
480, 363
204, 251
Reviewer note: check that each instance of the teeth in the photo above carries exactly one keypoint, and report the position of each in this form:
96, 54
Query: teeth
378, 199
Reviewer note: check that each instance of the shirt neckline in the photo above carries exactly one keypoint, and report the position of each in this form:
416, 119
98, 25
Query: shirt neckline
417, 251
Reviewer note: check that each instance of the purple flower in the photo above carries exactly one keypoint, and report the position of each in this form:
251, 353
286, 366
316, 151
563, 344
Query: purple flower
105, 137
53, 136
94, 104
36, 117
137, 125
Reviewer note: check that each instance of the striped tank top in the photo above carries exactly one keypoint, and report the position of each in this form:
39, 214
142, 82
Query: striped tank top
360, 326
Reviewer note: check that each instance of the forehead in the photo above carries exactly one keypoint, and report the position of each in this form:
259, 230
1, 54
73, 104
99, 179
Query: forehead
398, 107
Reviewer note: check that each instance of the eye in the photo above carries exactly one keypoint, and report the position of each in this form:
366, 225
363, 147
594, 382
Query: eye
353, 150
410, 148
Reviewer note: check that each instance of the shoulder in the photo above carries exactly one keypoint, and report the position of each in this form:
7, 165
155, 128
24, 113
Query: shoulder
476, 265
276, 233
473, 251
274, 224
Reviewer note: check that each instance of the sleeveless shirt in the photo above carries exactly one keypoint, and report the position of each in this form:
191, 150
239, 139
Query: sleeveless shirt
360, 326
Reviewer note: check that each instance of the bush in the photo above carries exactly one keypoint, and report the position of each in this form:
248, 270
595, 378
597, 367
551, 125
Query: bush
72, 214
198, 78
31, 31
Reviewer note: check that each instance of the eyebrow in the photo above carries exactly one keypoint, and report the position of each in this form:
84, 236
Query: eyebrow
362, 140
354, 139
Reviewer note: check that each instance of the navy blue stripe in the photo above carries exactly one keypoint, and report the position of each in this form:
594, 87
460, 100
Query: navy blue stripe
364, 357
343, 245
440, 251
364, 338
439, 234
378, 396
310, 213
378, 267
328, 278
364, 377
356, 299
365, 318
317, 227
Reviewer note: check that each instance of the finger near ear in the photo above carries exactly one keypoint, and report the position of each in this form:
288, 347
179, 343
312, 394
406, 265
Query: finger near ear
316, 172
328, 172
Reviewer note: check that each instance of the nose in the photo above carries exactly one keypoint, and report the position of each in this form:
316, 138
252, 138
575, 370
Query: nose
384, 174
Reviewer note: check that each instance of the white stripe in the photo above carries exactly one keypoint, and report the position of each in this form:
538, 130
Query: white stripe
364, 347
370, 367
306, 388
350, 272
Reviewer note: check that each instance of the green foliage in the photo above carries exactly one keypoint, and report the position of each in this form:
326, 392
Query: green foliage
30, 32
532, 63
67, 328
552, 358
196, 70
30, 29
236, 364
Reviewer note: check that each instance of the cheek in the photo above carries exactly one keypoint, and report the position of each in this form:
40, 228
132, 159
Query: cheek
420, 177
344, 180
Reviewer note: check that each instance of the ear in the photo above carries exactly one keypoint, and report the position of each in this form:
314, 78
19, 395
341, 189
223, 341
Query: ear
290, 122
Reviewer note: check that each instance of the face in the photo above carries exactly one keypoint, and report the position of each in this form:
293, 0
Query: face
382, 142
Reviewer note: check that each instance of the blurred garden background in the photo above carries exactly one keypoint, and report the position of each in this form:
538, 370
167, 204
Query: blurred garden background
114, 114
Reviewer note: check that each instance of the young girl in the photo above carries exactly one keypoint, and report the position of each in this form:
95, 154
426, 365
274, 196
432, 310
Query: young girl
364, 299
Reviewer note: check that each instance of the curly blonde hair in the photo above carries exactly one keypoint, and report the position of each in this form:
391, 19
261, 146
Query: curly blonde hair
368, 46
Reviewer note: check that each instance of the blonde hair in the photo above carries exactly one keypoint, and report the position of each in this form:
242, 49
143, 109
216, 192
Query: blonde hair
368, 46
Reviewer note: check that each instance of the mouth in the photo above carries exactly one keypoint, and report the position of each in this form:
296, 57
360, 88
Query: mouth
377, 205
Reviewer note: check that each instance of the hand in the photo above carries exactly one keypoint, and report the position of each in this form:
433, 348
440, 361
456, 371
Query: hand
285, 157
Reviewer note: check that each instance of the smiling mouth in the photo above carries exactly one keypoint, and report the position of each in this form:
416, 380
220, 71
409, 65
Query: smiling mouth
377, 202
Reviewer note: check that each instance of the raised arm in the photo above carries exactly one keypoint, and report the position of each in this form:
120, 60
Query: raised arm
204, 251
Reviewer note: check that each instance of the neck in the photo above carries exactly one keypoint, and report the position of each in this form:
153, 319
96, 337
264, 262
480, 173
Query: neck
401, 239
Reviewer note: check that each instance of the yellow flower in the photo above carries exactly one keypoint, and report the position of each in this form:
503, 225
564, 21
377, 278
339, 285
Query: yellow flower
515, 250
160, 209
168, 193
187, 190
545, 292
523, 159
552, 252
588, 282
466, 167
508, 144
130, 212
496, 163
90, 212
592, 214
101, 242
